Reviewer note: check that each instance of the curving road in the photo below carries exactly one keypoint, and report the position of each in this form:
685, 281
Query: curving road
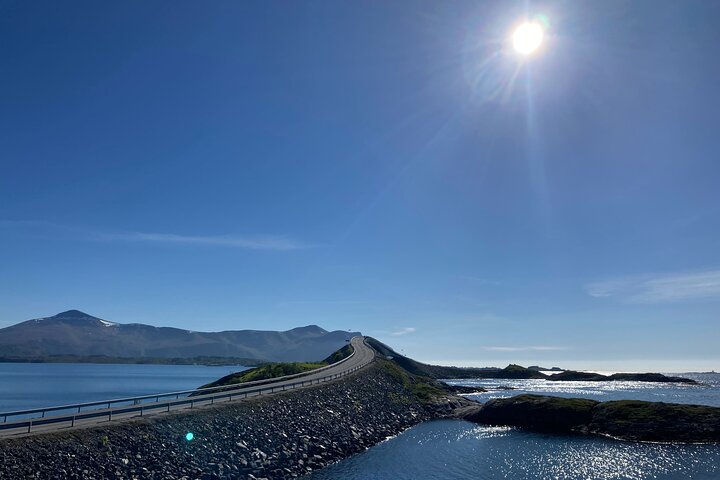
362, 356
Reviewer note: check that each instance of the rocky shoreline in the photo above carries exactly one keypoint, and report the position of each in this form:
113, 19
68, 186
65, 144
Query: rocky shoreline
632, 420
291, 434
278, 437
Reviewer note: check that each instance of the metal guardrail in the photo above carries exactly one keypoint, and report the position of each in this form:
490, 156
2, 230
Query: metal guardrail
240, 391
141, 409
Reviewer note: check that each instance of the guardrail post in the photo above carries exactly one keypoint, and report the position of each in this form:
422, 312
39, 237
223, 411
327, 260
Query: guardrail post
192, 403
110, 416
212, 400
141, 410
29, 426
168, 405
72, 422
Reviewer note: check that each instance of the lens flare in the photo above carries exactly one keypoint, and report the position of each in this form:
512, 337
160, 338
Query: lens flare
189, 436
527, 38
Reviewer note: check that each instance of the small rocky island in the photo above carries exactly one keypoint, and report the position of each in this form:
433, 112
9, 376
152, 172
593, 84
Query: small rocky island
623, 419
570, 375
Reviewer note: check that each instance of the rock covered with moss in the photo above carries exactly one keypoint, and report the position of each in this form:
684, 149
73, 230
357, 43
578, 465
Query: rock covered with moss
656, 421
624, 419
539, 413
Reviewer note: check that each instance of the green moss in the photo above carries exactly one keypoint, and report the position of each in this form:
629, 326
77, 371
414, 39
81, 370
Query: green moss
271, 370
341, 354
423, 388
550, 403
275, 370
425, 392
640, 411
396, 372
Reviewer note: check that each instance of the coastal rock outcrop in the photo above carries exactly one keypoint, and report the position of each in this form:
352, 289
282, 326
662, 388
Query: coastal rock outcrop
572, 376
624, 419
656, 421
539, 413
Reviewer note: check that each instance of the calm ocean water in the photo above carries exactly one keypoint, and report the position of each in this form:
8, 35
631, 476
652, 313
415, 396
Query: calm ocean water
459, 450
447, 450
33, 385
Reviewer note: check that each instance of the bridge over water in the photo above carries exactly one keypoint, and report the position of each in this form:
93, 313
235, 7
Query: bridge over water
28, 422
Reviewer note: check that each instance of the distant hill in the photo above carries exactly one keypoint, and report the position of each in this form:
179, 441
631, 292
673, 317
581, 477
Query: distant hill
77, 333
439, 371
512, 371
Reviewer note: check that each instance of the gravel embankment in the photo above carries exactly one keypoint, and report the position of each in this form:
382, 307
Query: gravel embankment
284, 436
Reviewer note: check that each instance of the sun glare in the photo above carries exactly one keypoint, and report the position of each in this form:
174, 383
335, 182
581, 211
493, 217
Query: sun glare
527, 38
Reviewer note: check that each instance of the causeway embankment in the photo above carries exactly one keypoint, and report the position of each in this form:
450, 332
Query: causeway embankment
284, 436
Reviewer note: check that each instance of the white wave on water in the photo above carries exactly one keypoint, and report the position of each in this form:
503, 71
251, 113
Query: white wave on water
706, 394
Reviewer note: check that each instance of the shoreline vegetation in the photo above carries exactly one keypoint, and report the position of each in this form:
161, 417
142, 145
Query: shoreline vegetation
278, 369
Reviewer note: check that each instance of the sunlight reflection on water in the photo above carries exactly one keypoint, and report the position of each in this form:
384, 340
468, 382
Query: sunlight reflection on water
708, 394
458, 450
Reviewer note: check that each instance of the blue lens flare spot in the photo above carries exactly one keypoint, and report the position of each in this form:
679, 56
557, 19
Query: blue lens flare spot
189, 436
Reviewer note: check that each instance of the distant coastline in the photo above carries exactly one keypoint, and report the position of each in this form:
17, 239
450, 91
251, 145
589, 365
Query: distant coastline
104, 359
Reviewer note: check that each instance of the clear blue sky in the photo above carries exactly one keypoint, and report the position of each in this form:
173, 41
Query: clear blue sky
384, 166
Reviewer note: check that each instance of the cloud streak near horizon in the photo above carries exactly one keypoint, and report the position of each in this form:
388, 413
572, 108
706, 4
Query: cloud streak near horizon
660, 288
403, 331
251, 242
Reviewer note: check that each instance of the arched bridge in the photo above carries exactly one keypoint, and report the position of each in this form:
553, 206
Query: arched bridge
25, 422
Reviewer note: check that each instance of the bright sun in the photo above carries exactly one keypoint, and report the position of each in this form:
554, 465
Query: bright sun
527, 38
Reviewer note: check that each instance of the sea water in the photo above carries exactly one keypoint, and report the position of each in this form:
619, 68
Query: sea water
459, 450
26, 386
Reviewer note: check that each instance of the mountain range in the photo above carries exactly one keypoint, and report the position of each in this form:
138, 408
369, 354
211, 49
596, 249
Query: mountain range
79, 334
